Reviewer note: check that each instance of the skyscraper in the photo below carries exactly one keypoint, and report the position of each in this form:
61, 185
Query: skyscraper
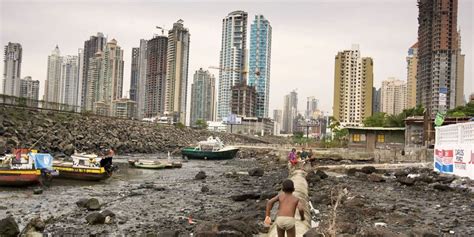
277, 121
260, 62
93, 76
459, 74
202, 96
155, 76
12, 69
232, 59
393, 96
29, 88
110, 82
311, 107
412, 62
91, 47
80, 65
138, 78
244, 100
53, 80
134, 74
69, 80
353, 82
177, 72
290, 110
438, 47
376, 94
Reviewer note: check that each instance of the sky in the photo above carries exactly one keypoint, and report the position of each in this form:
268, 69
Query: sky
306, 35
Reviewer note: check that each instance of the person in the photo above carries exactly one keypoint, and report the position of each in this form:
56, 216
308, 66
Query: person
288, 203
292, 157
311, 159
107, 161
304, 154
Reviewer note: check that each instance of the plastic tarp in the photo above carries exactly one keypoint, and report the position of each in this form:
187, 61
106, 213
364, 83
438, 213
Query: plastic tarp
42, 160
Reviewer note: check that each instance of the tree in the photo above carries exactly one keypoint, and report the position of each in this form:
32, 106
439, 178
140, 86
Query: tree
376, 120
201, 124
395, 120
460, 111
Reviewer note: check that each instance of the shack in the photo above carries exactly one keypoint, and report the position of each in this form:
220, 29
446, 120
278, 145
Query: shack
371, 138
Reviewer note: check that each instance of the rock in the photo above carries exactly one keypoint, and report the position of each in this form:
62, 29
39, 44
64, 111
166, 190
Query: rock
379, 232
405, 180
400, 173
441, 187
200, 175
204, 189
375, 178
312, 178
170, 233
368, 169
38, 191
90, 204
3, 208
233, 228
445, 178
268, 195
95, 218
422, 232
68, 149
347, 228
425, 178
245, 196
108, 213
313, 232
321, 174
351, 171
9, 227
256, 172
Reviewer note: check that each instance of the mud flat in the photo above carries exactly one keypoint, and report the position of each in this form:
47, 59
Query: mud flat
145, 202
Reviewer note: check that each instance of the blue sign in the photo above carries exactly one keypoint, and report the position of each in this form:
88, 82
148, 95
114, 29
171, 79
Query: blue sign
42, 160
443, 90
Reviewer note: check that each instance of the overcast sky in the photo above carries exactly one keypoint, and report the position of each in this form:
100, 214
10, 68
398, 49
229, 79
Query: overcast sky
306, 35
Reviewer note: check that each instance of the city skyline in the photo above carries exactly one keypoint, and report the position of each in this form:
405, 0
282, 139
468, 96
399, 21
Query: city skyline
387, 46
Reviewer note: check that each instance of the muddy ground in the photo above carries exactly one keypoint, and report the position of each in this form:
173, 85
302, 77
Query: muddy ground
153, 201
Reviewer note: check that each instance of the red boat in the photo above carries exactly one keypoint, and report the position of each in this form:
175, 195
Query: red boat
25, 169
9, 177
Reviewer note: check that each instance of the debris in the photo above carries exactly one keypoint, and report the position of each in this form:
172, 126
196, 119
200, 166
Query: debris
200, 175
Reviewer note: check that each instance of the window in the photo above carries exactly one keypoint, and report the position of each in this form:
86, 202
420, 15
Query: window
381, 138
356, 137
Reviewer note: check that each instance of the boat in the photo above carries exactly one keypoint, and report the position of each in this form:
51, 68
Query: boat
211, 149
154, 164
89, 167
26, 167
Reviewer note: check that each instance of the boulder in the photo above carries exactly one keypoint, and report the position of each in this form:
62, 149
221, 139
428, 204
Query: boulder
90, 204
95, 218
313, 232
422, 232
68, 149
245, 196
405, 180
170, 233
38, 191
268, 195
232, 228
368, 169
256, 172
441, 187
321, 174
351, 171
375, 178
204, 189
108, 213
200, 175
9, 227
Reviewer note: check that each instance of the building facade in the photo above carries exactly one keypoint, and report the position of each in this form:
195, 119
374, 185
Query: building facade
80, 75
232, 59
69, 80
244, 100
353, 83
29, 88
138, 77
95, 44
460, 97
177, 72
12, 69
155, 76
290, 111
393, 96
311, 107
376, 100
53, 80
438, 49
203, 97
124, 108
260, 62
93, 76
134, 74
277, 121
253, 126
412, 62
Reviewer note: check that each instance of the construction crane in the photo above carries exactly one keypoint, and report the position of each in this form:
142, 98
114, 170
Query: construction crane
162, 28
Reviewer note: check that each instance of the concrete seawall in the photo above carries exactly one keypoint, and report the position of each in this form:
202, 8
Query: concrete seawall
301, 191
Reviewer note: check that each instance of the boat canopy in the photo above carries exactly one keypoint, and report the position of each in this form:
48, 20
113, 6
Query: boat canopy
42, 160
212, 142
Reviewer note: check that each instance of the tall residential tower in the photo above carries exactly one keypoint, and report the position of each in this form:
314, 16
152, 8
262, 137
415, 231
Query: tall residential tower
91, 47
53, 80
203, 97
12, 69
155, 83
393, 96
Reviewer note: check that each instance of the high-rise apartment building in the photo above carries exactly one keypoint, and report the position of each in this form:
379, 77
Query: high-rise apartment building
53, 80
459, 74
69, 80
438, 49
95, 44
93, 76
134, 74
412, 63
244, 100
260, 62
290, 111
277, 121
393, 96
376, 98
155, 76
80, 68
12, 69
110, 83
177, 72
203, 97
138, 78
311, 107
353, 82
29, 88
232, 61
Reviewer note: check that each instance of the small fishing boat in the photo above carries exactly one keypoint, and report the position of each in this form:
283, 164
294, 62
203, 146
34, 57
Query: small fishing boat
88, 167
25, 168
154, 164
211, 149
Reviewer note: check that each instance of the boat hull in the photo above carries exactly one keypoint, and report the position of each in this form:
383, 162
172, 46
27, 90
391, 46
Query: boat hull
19, 177
81, 173
191, 153
152, 165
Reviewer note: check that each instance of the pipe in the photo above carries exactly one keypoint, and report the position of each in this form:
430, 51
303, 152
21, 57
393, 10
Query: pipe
301, 192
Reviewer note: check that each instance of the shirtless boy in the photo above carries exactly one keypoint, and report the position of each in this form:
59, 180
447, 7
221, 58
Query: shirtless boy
285, 220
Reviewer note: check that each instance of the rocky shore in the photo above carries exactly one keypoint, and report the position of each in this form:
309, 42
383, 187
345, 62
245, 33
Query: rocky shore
65, 132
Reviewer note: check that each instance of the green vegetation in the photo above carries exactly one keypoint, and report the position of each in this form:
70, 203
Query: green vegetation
392, 120
180, 125
462, 111
201, 124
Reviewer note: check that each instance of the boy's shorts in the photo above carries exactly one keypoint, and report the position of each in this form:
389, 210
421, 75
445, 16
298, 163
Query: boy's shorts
285, 222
